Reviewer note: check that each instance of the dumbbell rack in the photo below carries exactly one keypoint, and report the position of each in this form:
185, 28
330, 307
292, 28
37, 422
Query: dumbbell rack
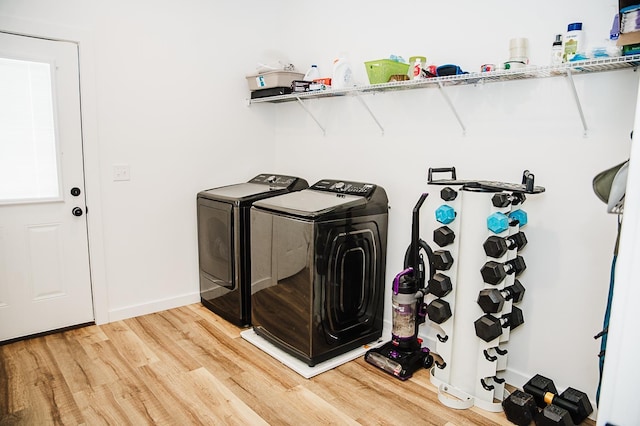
472, 365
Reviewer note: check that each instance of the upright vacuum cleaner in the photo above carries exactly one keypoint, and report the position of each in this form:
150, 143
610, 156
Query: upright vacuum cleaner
404, 354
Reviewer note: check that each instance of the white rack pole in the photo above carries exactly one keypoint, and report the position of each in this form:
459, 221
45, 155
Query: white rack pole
324, 132
453, 109
577, 99
370, 113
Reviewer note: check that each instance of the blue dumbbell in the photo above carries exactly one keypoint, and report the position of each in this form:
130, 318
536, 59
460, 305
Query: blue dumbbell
519, 215
445, 214
497, 222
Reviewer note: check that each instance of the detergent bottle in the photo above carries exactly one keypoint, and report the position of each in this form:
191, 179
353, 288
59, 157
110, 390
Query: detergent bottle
342, 75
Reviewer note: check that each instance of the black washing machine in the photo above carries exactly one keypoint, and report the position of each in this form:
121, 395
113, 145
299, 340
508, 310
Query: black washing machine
318, 268
224, 242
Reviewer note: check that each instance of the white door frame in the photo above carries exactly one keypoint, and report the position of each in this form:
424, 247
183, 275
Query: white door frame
88, 117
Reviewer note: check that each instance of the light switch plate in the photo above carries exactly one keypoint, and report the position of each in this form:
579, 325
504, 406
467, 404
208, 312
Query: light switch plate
121, 172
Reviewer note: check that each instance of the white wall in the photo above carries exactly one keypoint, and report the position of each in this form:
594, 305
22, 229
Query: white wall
168, 93
169, 100
511, 126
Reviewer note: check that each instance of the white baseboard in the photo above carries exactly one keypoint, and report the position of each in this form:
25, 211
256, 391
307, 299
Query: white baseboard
153, 306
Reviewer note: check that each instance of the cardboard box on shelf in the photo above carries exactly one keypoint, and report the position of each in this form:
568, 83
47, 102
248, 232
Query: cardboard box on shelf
629, 38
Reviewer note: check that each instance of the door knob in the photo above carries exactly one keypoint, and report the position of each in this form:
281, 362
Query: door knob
75, 191
77, 211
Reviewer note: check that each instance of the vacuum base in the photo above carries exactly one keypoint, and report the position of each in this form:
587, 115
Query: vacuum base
401, 364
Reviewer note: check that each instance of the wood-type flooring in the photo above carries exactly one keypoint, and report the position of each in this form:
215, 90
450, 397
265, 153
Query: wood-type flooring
188, 366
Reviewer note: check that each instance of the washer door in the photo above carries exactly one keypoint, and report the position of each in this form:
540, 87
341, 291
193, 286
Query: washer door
352, 290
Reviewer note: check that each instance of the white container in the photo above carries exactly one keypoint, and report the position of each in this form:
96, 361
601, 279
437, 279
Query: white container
312, 73
342, 76
573, 41
271, 79
415, 67
519, 50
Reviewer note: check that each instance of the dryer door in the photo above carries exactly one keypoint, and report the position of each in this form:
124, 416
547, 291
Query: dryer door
215, 247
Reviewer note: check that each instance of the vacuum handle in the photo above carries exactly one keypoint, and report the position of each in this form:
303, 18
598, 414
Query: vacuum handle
433, 170
396, 280
419, 203
415, 232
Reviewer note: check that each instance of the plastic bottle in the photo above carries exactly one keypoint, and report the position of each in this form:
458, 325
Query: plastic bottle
573, 41
312, 73
416, 63
342, 76
557, 50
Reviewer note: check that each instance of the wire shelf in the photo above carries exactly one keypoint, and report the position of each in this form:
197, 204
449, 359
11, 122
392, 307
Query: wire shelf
529, 72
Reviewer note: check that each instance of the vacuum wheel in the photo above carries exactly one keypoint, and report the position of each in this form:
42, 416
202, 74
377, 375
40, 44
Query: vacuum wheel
428, 362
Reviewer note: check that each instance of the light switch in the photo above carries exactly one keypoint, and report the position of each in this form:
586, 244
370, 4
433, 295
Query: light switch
121, 172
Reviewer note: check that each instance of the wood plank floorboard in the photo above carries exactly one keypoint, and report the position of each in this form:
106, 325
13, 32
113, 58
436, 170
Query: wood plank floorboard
187, 366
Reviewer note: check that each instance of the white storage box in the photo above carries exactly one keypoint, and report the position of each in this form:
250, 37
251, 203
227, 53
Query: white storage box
272, 79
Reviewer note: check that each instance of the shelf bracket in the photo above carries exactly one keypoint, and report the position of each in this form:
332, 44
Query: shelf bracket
577, 100
304, 107
453, 109
364, 104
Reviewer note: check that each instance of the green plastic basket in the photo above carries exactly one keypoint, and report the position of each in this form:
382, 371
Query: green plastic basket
381, 70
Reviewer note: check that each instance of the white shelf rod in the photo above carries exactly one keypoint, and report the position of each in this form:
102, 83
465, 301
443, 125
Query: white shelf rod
364, 104
324, 132
453, 109
577, 99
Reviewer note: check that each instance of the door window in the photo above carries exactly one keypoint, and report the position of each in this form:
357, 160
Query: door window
28, 154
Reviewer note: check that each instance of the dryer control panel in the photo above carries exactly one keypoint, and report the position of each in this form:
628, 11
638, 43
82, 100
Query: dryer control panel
279, 181
345, 187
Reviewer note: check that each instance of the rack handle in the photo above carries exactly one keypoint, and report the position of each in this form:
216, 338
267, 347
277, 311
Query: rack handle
433, 170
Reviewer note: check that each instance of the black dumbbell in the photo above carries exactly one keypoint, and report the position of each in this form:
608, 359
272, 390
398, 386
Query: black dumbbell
439, 285
443, 236
439, 311
552, 415
496, 246
489, 327
503, 199
448, 194
491, 300
520, 408
544, 393
442, 259
494, 272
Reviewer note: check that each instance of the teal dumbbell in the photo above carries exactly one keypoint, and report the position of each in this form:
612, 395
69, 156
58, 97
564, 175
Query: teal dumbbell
519, 215
497, 222
445, 214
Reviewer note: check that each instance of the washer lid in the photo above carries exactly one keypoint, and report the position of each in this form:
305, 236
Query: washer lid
240, 191
310, 203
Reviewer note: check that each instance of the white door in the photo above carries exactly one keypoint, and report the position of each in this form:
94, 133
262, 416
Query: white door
44, 257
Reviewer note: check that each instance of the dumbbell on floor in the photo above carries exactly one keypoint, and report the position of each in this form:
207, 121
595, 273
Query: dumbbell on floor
544, 393
496, 246
494, 272
571, 407
520, 408
491, 300
489, 327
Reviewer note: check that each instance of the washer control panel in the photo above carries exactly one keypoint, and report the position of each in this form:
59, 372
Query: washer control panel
344, 187
278, 181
